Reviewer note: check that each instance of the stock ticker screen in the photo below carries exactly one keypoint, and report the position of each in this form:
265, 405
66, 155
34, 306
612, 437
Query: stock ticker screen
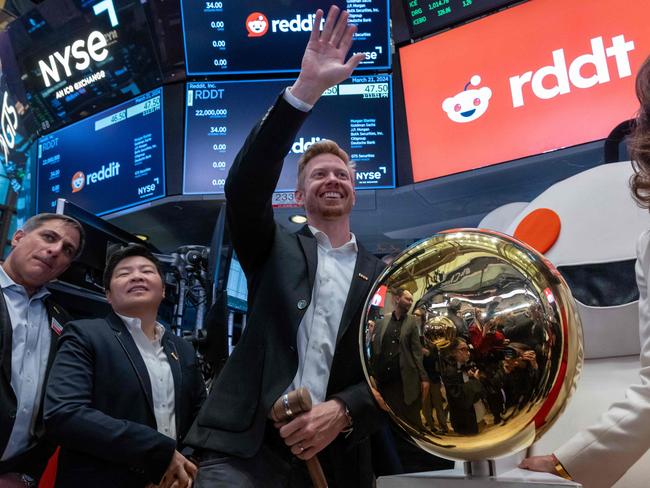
266, 36
357, 114
426, 16
106, 162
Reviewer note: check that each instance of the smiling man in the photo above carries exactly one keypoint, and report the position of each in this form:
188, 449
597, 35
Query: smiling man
123, 391
306, 295
29, 325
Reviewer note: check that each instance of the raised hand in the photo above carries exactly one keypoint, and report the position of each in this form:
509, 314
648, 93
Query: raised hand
323, 64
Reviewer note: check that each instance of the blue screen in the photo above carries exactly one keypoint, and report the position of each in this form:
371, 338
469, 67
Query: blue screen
237, 287
106, 162
254, 36
357, 114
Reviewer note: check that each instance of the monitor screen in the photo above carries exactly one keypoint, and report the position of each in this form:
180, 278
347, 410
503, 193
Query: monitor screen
237, 286
106, 162
77, 58
357, 114
509, 86
426, 16
257, 36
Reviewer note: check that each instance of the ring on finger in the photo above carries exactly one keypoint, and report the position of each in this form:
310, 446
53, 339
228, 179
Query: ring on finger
302, 449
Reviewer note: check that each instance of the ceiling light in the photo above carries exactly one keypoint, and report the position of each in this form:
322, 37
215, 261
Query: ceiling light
298, 219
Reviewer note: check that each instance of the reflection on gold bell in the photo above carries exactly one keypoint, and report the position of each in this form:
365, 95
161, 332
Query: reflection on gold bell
439, 331
507, 337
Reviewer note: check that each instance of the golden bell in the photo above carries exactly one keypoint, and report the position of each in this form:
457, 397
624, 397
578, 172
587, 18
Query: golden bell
491, 324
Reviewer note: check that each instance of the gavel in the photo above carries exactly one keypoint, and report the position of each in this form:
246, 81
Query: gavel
286, 408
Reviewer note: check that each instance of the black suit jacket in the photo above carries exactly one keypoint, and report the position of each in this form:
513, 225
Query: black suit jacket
34, 459
280, 268
99, 407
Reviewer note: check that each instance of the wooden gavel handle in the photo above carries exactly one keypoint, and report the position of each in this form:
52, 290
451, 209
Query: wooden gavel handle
316, 473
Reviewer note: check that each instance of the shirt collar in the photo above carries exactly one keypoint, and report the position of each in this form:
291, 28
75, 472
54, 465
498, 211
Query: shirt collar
324, 240
135, 324
7, 282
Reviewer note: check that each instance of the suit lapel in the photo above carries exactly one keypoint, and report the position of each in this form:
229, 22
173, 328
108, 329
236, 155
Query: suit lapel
55, 315
5, 339
173, 357
364, 271
310, 249
125, 339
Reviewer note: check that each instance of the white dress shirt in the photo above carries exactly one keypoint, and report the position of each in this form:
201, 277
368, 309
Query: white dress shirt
30, 348
317, 332
160, 374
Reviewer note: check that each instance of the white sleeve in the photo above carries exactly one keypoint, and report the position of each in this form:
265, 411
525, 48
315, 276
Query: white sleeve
602, 453
295, 102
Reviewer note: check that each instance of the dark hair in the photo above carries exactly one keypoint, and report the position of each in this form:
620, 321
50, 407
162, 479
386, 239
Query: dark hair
639, 140
39, 220
456, 343
114, 258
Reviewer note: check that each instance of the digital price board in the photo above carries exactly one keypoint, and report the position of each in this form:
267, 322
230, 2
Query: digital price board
426, 16
357, 114
106, 162
257, 36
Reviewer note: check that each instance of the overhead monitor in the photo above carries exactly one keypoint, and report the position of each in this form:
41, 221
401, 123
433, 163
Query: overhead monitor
78, 58
426, 16
509, 86
266, 36
357, 114
107, 162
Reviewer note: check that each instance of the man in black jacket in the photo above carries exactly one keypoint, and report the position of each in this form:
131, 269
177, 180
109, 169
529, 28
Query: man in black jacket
30, 324
306, 295
123, 391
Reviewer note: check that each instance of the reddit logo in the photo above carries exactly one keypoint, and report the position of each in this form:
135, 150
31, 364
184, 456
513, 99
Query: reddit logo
78, 181
257, 24
468, 105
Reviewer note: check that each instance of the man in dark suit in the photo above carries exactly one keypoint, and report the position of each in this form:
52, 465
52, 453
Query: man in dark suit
401, 376
123, 391
463, 389
306, 295
30, 324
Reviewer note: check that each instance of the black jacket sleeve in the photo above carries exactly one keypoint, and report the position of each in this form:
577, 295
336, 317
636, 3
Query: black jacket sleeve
71, 420
252, 180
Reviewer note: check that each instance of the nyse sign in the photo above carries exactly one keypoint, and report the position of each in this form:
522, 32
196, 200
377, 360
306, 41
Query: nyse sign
78, 55
8, 129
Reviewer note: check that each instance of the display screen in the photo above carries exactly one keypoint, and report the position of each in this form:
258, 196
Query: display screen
426, 16
263, 36
106, 162
357, 114
509, 86
78, 58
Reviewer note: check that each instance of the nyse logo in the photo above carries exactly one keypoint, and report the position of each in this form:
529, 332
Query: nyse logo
146, 189
8, 127
79, 53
